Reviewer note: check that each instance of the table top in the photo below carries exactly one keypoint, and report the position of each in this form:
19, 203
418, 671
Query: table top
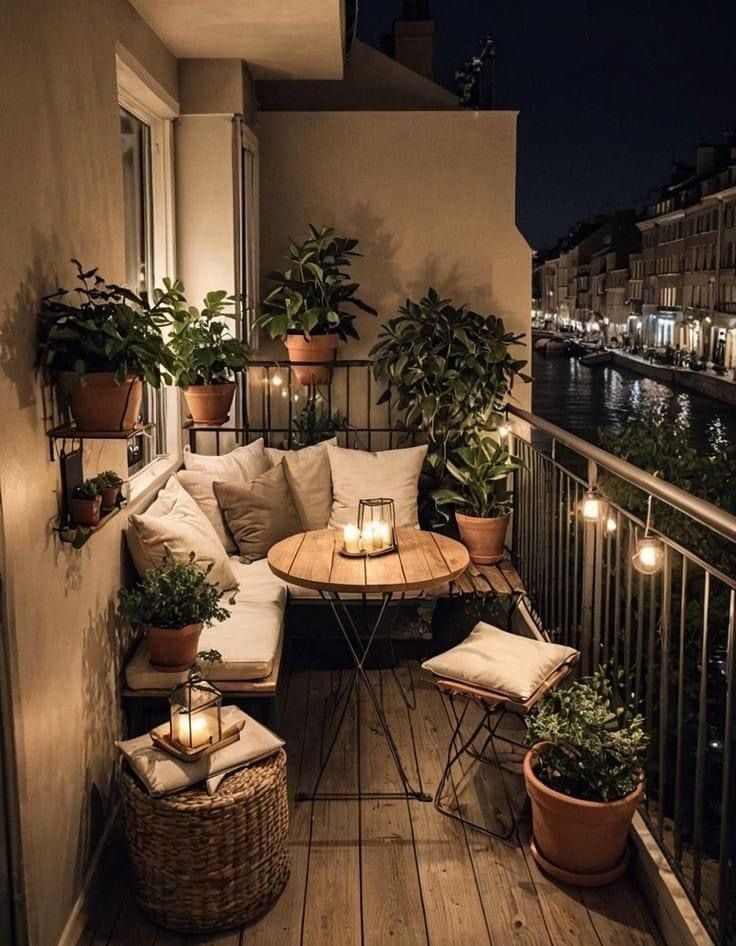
422, 560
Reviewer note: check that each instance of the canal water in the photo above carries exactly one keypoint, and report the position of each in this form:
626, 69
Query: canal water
585, 400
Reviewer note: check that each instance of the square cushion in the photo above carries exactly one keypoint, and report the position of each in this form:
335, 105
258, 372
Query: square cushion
308, 474
175, 523
497, 660
261, 514
201, 487
244, 463
392, 474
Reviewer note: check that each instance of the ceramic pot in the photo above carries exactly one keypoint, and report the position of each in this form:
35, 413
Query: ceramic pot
209, 404
86, 512
109, 496
483, 538
319, 350
100, 404
173, 648
576, 841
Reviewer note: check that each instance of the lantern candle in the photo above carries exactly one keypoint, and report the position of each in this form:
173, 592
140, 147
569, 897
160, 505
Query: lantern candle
368, 537
192, 731
351, 538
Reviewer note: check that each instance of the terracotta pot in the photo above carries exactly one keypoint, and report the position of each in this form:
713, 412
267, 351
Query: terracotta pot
86, 512
99, 403
576, 841
483, 538
109, 496
173, 648
319, 350
209, 404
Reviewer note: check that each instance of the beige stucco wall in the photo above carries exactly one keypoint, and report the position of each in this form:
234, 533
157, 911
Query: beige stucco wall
430, 195
61, 194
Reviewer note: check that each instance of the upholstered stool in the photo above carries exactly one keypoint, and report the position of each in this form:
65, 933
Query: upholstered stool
204, 862
501, 673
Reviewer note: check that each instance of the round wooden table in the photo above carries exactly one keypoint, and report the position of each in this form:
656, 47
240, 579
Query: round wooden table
422, 560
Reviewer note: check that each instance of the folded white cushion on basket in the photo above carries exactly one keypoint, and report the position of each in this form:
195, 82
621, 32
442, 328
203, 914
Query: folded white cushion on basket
308, 475
247, 462
389, 474
175, 523
163, 774
506, 663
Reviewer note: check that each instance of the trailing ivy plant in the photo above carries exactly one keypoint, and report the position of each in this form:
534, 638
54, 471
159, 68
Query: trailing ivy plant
173, 595
589, 749
311, 295
479, 471
106, 328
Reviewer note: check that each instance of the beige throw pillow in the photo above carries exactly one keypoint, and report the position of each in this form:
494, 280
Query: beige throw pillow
259, 515
392, 474
200, 487
241, 463
308, 474
182, 529
498, 660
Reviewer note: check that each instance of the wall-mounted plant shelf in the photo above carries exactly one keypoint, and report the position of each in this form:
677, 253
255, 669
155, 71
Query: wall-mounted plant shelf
77, 536
69, 432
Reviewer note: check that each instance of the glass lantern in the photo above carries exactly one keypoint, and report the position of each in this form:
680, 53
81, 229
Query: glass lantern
377, 525
195, 712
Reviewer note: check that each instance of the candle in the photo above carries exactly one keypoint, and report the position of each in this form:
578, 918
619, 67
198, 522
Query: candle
384, 532
200, 731
369, 537
351, 538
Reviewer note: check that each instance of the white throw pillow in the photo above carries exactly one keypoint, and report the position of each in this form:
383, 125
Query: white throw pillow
200, 487
497, 660
308, 475
391, 474
182, 528
247, 462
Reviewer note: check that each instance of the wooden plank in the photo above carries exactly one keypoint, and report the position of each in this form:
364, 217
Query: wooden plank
617, 915
385, 573
227, 938
512, 576
312, 563
281, 556
131, 927
455, 555
494, 576
452, 903
392, 900
413, 560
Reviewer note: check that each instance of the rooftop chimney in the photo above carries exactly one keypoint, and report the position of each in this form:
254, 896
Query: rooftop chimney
414, 38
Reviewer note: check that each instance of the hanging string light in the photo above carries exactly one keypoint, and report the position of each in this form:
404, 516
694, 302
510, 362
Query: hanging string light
594, 505
649, 554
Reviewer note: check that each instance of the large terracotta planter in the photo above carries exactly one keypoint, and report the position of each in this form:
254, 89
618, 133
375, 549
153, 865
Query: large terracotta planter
483, 538
173, 649
319, 350
209, 404
576, 841
100, 404
86, 512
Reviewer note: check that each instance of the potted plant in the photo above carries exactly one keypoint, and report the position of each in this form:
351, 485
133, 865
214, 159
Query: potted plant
450, 371
99, 348
306, 306
86, 503
173, 602
108, 484
206, 355
584, 776
480, 471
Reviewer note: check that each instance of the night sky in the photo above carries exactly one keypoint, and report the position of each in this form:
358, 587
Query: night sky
609, 94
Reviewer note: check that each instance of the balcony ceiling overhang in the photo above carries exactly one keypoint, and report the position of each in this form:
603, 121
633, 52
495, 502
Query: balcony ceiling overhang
279, 39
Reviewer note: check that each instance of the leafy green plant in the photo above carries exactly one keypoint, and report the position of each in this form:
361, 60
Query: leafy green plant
108, 479
449, 370
480, 470
204, 350
589, 749
314, 423
109, 328
89, 489
310, 296
174, 595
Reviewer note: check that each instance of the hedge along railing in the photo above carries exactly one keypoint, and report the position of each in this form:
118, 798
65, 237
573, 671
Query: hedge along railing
667, 638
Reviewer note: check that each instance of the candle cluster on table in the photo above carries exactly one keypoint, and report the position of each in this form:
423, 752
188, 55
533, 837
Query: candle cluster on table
375, 531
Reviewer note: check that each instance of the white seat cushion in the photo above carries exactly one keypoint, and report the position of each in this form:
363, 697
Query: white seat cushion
249, 640
492, 659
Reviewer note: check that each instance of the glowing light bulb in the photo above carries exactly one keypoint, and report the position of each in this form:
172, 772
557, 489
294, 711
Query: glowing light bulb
648, 558
277, 381
610, 524
593, 506
503, 431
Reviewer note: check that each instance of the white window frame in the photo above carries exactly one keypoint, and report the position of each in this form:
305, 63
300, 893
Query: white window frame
139, 94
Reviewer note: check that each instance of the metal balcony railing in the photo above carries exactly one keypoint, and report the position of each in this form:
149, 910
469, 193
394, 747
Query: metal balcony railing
666, 638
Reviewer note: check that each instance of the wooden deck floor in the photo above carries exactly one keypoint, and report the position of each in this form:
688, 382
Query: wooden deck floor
373, 873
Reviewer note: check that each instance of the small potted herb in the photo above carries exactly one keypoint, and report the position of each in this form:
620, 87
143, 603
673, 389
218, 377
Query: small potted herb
206, 354
306, 306
584, 776
86, 503
480, 472
173, 602
108, 484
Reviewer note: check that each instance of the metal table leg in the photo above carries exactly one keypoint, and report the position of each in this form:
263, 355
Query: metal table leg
359, 647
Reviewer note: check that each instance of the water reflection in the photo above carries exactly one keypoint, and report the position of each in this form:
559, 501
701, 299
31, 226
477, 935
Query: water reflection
585, 400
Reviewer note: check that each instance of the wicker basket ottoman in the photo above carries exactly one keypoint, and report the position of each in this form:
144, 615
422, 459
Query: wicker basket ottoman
204, 862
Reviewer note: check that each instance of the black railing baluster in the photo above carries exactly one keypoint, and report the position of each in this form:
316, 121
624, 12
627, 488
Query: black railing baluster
700, 751
679, 750
726, 847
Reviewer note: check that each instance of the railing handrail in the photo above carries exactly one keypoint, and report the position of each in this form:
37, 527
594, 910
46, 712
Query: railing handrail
699, 509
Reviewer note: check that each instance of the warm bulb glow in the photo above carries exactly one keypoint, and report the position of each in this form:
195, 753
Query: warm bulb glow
648, 558
503, 431
610, 524
277, 381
